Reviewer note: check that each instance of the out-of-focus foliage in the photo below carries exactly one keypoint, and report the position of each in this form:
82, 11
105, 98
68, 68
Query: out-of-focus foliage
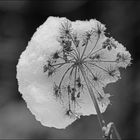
19, 20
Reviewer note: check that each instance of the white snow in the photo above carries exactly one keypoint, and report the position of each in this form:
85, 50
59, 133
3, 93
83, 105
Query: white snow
37, 89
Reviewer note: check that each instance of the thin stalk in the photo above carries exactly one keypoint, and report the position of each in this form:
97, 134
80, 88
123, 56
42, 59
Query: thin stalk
116, 132
84, 50
75, 45
93, 53
94, 46
98, 67
65, 75
99, 115
75, 55
92, 73
109, 61
96, 51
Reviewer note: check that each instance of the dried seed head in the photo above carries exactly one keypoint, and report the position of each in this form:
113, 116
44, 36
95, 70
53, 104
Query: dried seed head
109, 44
100, 29
57, 91
66, 28
55, 55
123, 59
51, 66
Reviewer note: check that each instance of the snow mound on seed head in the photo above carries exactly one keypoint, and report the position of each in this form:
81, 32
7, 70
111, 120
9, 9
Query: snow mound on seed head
34, 85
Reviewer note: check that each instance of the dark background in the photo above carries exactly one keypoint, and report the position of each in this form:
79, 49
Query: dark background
18, 22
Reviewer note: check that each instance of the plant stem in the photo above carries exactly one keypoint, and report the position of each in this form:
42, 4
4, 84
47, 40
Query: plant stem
94, 46
84, 50
99, 115
116, 132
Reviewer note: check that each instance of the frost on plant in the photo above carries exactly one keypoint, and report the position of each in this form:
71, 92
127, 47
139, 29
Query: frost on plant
49, 70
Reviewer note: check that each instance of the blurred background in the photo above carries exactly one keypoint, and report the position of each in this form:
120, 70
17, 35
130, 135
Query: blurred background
18, 22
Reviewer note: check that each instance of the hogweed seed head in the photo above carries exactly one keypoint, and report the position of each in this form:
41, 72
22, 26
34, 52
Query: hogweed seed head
50, 67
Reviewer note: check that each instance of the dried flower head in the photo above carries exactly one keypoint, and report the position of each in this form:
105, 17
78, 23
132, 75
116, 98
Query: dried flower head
50, 70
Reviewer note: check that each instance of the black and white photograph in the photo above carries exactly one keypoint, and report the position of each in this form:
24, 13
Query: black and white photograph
70, 69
